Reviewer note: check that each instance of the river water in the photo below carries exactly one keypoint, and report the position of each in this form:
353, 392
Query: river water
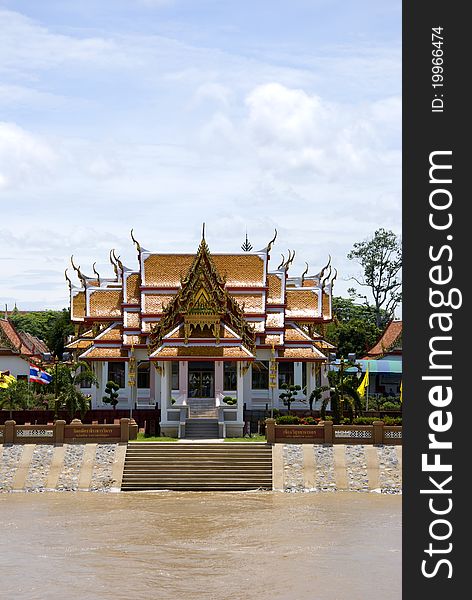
199, 546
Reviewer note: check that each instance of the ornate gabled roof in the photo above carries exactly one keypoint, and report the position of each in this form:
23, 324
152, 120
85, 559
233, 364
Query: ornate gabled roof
390, 341
20, 343
202, 301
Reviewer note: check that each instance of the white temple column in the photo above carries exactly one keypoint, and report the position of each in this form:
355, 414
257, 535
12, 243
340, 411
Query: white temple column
183, 378
240, 392
219, 378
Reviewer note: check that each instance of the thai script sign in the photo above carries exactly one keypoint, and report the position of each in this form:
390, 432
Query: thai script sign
95, 431
295, 432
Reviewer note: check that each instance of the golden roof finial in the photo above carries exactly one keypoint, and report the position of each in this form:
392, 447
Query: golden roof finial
305, 272
96, 272
271, 243
68, 279
282, 263
290, 258
323, 283
135, 241
324, 268
203, 231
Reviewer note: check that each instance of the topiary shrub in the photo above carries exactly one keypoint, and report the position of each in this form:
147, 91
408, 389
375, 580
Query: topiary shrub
229, 400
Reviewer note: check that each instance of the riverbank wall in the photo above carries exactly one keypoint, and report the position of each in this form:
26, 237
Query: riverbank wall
296, 468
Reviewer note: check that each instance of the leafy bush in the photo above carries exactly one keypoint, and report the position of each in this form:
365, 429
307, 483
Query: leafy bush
288, 420
364, 420
391, 406
230, 400
392, 420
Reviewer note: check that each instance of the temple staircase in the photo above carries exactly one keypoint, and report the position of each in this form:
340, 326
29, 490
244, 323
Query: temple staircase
203, 419
197, 466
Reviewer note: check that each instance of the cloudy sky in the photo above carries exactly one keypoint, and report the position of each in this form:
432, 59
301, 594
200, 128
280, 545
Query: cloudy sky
162, 114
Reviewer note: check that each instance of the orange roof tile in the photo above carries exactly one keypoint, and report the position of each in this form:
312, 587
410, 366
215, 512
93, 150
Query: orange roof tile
274, 320
253, 303
391, 337
132, 289
274, 295
155, 303
105, 353
132, 319
166, 270
106, 303
301, 303
298, 354
293, 334
78, 306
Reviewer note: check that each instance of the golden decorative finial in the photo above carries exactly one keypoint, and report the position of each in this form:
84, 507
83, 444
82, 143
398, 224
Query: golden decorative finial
118, 261
305, 272
334, 278
203, 231
96, 272
282, 263
323, 283
135, 241
290, 259
324, 268
68, 280
270, 244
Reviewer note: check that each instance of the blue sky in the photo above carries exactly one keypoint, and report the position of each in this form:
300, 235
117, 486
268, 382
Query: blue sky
161, 114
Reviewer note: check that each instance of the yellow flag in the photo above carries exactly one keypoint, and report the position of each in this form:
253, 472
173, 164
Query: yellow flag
401, 391
364, 383
6, 379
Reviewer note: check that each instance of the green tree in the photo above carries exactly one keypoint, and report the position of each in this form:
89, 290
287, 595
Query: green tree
56, 335
354, 328
289, 393
112, 390
17, 396
381, 260
51, 326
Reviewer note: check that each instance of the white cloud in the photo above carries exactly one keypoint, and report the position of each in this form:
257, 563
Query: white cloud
23, 156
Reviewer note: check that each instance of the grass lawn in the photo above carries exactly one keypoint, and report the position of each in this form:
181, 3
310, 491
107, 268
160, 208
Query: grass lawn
253, 438
155, 438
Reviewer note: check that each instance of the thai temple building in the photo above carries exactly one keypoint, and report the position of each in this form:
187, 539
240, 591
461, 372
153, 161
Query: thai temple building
204, 334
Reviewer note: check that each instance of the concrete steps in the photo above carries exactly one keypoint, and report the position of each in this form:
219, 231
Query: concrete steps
194, 466
202, 408
201, 429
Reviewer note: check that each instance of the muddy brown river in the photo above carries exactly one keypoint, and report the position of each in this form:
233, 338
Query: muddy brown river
192, 546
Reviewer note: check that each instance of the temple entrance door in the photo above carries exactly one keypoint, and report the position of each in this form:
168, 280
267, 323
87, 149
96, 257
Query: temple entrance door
201, 379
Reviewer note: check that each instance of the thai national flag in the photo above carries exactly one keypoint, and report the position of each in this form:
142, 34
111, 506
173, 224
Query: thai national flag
39, 376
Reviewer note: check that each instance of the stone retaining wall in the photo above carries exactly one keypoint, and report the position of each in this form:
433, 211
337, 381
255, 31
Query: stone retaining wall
296, 467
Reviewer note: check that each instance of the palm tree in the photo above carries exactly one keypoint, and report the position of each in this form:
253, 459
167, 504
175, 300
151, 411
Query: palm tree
66, 379
343, 390
316, 395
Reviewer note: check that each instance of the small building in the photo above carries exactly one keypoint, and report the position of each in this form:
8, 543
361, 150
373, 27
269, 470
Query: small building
184, 331
385, 361
18, 349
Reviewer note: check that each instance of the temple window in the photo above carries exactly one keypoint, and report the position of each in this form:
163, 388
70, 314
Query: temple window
143, 374
116, 373
304, 368
286, 373
230, 377
260, 375
175, 375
